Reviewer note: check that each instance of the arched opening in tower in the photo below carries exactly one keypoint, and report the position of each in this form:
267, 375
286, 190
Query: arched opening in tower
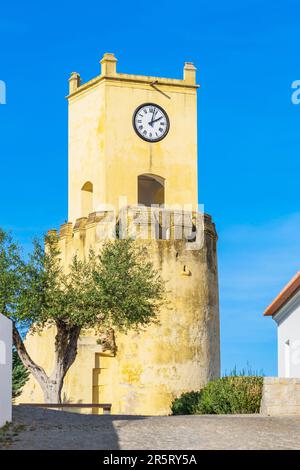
151, 190
86, 199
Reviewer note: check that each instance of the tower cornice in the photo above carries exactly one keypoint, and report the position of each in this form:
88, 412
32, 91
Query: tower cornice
146, 80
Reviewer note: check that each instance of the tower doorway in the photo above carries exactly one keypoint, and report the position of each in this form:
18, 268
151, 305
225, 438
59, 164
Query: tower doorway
103, 380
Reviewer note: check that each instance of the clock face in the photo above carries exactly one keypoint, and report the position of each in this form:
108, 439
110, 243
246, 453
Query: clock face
151, 122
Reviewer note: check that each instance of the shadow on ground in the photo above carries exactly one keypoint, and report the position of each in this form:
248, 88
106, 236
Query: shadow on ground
42, 429
50, 429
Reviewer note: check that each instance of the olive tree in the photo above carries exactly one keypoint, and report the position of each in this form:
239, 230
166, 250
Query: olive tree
118, 288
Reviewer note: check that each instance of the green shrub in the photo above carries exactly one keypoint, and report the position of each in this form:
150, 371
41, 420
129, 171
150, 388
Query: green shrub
19, 375
186, 404
238, 394
231, 395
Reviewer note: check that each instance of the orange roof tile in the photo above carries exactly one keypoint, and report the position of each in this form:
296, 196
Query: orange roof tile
288, 291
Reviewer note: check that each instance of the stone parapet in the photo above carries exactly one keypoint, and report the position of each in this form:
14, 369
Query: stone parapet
141, 223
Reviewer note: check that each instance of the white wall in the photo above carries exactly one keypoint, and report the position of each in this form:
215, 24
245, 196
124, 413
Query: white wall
288, 320
5, 369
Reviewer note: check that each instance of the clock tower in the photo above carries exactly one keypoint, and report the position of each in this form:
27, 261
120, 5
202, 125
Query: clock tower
133, 145
132, 136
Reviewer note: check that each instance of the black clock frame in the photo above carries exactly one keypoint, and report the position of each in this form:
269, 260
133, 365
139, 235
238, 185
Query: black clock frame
151, 141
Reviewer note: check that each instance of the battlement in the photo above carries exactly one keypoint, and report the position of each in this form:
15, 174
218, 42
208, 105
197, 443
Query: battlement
140, 223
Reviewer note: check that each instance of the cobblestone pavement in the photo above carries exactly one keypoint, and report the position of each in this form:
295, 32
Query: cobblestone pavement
49, 429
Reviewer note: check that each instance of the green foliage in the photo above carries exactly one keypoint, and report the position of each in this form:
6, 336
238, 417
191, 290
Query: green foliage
11, 274
119, 287
9, 433
130, 289
19, 375
248, 371
232, 394
186, 404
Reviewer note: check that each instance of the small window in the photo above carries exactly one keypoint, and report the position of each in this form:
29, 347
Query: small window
86, 199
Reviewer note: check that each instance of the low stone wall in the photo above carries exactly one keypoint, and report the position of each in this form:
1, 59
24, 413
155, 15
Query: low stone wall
281, 396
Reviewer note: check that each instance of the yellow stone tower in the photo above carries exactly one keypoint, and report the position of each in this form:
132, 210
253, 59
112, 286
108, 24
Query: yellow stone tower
133, 146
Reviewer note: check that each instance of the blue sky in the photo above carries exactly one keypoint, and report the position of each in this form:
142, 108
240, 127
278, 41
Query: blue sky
247, 56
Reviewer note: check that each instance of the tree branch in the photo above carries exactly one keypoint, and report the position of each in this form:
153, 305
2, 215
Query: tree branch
37, 371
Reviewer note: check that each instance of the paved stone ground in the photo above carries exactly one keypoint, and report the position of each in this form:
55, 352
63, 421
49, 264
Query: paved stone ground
49, 429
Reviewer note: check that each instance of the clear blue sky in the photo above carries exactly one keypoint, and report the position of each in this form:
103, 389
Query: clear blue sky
247, 55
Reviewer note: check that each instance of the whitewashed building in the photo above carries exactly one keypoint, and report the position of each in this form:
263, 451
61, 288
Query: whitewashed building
285, 310
5, 370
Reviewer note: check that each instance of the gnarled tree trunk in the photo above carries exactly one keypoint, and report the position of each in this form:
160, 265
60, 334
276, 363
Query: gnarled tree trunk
66, 341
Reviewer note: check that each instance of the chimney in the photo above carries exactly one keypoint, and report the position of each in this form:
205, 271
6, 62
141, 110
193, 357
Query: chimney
74, 82
189, 73
108, 64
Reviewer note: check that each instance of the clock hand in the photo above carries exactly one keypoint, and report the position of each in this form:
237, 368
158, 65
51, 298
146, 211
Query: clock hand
160, 117
153, 115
